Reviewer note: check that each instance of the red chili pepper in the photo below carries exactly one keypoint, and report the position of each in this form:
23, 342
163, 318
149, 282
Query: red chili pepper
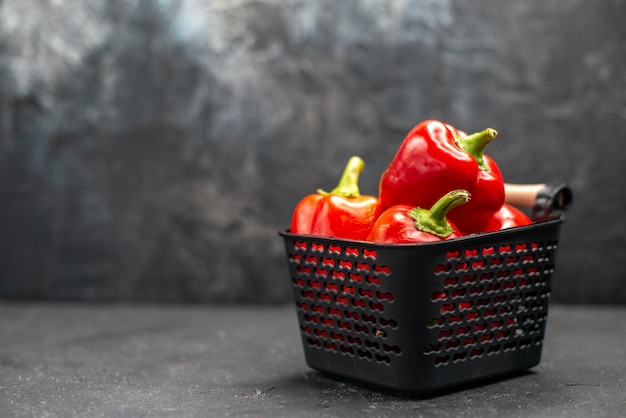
436, 157
507, 217
342, 213
408, 224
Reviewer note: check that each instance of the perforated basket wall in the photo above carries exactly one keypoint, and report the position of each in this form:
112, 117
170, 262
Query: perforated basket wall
419, 318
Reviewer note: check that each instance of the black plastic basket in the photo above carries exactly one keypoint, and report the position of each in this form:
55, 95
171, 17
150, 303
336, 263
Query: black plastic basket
419, 318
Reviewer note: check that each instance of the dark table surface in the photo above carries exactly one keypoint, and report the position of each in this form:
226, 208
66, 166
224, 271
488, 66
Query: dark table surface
124, 360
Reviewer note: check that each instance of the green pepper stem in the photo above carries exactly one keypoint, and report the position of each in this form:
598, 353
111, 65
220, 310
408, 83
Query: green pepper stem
349, 184
434, 220
476, 143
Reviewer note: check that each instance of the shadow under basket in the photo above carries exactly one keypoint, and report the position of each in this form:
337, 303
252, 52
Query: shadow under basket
419, 318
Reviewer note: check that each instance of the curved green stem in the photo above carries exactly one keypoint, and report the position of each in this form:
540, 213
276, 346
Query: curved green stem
476, 143
349, 184
434, 220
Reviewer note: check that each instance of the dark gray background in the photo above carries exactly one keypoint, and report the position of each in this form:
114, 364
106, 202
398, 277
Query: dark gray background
150, 151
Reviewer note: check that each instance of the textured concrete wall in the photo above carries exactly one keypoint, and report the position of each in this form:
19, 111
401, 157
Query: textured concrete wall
151, 150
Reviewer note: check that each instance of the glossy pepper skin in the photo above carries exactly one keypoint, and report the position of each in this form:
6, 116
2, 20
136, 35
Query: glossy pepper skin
403, 224
507, 217
434, 158
342, 213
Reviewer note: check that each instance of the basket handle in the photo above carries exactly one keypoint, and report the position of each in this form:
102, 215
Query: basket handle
542, 199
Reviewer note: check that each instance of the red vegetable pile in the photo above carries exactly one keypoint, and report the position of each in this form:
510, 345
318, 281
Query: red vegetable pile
439, 185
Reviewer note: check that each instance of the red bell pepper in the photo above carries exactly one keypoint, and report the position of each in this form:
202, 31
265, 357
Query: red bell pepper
435, 157
342, 213
507, 217
409, 224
